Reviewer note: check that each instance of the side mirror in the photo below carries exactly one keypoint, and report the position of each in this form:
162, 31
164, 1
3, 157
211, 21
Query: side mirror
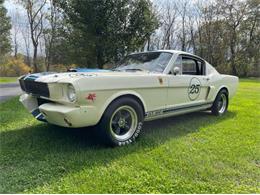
176, 70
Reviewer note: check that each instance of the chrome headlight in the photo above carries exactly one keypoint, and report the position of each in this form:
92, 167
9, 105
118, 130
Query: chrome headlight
71, 93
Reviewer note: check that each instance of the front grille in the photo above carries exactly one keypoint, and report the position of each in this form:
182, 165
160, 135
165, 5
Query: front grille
21, 81
35, 88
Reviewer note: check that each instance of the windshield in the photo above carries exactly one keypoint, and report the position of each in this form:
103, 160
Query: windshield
150, 61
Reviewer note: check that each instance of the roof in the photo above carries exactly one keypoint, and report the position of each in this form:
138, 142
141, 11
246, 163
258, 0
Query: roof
180, 52
174, 51
171, 51
165, 50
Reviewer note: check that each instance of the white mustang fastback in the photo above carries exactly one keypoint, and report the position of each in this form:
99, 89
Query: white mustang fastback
144, 86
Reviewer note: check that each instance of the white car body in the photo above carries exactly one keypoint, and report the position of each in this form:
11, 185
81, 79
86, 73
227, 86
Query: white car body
160, 94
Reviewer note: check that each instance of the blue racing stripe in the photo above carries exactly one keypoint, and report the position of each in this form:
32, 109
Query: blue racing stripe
41, 118
36, 112
33, 77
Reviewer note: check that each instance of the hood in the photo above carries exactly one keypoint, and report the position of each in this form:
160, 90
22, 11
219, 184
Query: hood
52, 77
87, 70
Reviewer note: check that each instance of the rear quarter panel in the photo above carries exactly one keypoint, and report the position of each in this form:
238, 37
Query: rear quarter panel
220, 81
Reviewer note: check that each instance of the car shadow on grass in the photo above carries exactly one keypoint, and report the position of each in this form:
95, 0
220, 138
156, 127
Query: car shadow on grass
43, 153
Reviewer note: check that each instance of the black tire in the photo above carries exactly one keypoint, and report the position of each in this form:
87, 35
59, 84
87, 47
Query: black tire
111, 127
220, 104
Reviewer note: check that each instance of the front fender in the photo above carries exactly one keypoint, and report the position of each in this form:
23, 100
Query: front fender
119, 94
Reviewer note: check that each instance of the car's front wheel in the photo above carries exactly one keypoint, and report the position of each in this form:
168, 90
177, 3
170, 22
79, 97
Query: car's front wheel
122, 122
220, 104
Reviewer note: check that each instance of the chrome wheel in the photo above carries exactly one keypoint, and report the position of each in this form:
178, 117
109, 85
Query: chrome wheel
222, 103
123, 123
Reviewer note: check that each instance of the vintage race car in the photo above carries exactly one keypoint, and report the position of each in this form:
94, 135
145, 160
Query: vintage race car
144, 86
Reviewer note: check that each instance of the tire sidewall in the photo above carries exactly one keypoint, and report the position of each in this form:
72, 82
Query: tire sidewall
215, 109
105, 121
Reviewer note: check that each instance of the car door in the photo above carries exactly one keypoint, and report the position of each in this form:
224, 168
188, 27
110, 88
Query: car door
190, 86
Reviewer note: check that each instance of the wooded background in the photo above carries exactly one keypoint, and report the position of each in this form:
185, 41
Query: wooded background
58, 34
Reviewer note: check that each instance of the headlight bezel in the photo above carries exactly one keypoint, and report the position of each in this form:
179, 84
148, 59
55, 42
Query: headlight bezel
71, 93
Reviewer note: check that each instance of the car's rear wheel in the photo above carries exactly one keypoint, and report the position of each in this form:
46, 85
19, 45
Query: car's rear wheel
122, 122
220, 104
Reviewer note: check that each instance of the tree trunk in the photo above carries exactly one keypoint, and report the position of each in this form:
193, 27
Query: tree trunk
48, 58
15, 48
233, 65
233, 43
48, 65
99, 56
15, 52
148, 44
200, 43
35, 59
183, 41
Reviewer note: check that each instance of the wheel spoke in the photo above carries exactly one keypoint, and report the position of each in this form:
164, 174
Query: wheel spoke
114, 122
127, 115
127, 126
119, 113
123, 122
117, 130
222, 104
219, 105
116, 117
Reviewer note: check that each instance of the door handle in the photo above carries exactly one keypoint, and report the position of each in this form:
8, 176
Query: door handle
206, 79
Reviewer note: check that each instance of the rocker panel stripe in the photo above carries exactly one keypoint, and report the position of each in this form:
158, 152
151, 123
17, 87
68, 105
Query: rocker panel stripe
174, 109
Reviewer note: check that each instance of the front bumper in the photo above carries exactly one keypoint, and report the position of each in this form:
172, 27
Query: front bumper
61, 115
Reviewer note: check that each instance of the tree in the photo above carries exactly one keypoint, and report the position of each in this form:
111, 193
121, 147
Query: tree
250, 40
228, 34
183, 9
50, 33
16, 29
34, 9
169, 18
5, 26
234, 13
25, 32
210, 35
107, 30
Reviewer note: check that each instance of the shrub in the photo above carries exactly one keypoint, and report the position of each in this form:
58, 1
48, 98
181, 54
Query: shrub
61, 67
14, 67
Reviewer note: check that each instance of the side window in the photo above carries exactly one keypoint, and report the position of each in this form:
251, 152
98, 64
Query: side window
192, 66
189, 66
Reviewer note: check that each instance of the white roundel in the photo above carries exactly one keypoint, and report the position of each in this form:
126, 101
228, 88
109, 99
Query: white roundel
194, 88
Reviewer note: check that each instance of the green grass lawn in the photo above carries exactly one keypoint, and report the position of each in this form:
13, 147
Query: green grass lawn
194, 153
8, 79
